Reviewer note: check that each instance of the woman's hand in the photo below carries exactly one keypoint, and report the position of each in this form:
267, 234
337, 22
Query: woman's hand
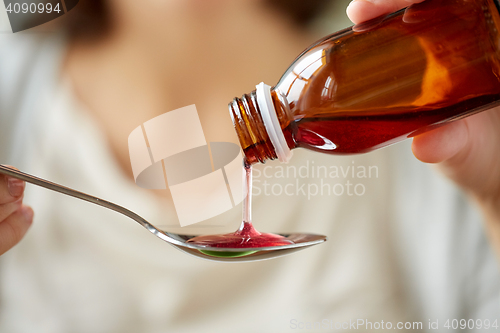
364, 10
15, 218
467, 151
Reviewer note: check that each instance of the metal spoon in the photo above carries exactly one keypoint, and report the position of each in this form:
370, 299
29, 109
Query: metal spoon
301, 241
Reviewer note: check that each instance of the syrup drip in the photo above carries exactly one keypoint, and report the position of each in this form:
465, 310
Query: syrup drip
246, 236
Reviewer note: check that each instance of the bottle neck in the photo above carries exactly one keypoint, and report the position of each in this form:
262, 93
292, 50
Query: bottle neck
262, 122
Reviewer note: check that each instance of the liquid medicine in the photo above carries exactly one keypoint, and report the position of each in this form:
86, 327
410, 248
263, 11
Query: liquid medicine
377, 83
367, 87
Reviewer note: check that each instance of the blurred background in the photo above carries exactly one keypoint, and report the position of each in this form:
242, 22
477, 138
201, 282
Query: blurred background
408, 248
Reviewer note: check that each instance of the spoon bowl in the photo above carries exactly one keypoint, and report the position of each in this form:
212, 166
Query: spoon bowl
300, 241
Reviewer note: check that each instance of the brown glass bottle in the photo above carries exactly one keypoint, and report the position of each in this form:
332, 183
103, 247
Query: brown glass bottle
378, 82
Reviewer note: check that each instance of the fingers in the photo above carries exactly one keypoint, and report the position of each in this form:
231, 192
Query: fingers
11, 189
15, 218
363, 10
442, 143
14, 227
7, 209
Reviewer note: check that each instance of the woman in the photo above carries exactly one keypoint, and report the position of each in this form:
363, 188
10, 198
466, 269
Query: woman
412, 249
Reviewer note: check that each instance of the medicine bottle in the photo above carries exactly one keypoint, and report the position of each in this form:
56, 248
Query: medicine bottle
378, 82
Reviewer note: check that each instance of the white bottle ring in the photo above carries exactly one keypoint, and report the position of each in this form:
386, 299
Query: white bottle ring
271, 122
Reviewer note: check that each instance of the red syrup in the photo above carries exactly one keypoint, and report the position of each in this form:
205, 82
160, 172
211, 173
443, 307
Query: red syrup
246, 236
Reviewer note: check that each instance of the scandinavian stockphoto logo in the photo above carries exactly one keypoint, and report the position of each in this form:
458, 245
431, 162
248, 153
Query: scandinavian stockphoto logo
26, 14
205, 180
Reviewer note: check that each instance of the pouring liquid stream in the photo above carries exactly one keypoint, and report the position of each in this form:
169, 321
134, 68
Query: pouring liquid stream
246, 236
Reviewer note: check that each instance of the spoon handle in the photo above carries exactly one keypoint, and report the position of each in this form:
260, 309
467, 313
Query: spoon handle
79, 195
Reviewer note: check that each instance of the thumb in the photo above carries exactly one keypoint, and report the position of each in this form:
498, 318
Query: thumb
442, 143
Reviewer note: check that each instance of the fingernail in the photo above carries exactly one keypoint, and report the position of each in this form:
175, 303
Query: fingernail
27, 213
15, 186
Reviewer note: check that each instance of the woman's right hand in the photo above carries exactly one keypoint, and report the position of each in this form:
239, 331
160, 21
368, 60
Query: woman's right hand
466, 150
15, 218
